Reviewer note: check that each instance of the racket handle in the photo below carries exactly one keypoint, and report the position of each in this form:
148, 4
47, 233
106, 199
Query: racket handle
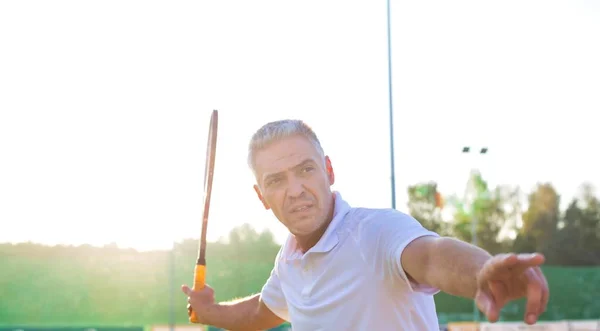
199, 281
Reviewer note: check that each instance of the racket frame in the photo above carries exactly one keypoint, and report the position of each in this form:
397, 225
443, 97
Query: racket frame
209, 169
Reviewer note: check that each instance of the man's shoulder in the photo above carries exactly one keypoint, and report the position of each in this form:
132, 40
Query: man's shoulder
377, 219
382, 214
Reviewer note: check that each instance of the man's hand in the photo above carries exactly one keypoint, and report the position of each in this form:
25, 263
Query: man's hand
201, 301
508, 277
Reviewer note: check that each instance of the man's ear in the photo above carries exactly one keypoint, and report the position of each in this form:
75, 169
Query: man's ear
330, 173
260, 197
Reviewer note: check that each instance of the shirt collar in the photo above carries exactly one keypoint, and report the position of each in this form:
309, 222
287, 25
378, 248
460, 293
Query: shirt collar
330, 237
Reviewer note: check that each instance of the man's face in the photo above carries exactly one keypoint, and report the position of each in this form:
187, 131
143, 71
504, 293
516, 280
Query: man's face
295, 183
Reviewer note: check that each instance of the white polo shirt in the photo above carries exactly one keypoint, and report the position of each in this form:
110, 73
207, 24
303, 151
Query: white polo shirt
352, 279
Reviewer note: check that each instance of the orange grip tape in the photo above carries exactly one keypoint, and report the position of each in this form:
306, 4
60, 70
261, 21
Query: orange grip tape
199, 281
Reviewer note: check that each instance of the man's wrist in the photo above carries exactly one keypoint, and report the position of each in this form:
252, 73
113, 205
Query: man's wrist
480, 261
211, 314
236, 314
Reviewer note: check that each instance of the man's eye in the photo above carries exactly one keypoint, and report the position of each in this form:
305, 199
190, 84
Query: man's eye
273, 181
308, 169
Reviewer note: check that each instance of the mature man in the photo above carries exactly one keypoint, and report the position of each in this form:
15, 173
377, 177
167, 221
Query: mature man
347, 268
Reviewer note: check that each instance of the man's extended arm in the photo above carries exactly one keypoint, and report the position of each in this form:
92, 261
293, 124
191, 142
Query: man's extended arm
445, 263
460, 269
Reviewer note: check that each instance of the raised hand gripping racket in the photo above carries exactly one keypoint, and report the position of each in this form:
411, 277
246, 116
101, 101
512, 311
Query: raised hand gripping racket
209, 168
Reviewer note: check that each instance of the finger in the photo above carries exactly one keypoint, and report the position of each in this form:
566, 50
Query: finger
499, 293
502, 265
520, 262
504, 262
533, 306
485, 303
533, 257
545, 289
186, 290
530, 260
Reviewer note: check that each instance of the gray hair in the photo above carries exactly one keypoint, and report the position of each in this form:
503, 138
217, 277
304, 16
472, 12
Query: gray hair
274, 131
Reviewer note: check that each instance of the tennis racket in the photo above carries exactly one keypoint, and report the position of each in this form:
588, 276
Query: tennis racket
209, 168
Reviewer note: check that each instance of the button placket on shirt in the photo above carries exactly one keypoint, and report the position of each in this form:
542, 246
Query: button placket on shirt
306, 276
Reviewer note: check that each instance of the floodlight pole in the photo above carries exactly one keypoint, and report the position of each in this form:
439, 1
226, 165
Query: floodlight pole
474, 220
389, 45
172, 288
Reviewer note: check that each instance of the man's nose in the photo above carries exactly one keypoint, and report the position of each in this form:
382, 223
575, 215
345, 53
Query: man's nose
295, 188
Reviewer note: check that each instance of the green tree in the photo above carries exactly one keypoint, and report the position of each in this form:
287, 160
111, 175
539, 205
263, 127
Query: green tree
249, 258
491, 210
577, 240
425, 208
540, 220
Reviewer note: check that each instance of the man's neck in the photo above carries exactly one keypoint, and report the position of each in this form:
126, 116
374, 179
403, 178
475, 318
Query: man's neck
307, 242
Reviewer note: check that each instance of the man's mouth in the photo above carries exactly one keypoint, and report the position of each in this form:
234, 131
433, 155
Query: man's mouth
301, 208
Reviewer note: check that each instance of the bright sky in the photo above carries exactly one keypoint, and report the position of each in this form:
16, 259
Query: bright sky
104, 105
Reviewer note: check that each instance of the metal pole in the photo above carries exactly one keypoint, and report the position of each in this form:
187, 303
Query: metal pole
389, 44
474, 220
474, 223
172, 288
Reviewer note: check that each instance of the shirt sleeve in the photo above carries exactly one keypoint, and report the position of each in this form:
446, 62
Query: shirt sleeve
272, 294
395, 230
